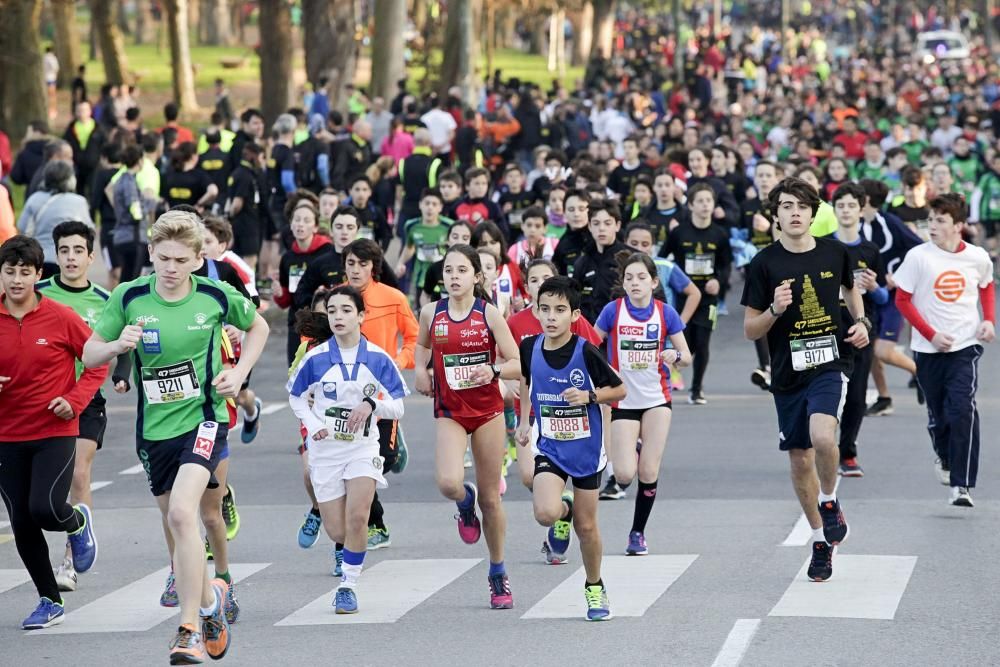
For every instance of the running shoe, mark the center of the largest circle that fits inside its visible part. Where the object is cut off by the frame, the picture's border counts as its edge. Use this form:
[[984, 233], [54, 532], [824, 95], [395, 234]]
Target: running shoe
[[598, 608], [821, 564], [83, 543], [345, 601], [66, 576], [378, 538], [215, 628], [676, 380], [46, 614], [251, 426], [550, 557], [232, 606], [722, 309], [187, 647], [697, 398], [960, 496], [761, 378], [511, 449], [636, 544], [835, 528], [230, 514], [402, 453], [208, 551], [882, 407], [338, 562], [469, 528], [850, 468], [560, 533], [611, 490], [169, 596], [467, 458], [500, 595], [309, 530], [503, 482], [943, 474]]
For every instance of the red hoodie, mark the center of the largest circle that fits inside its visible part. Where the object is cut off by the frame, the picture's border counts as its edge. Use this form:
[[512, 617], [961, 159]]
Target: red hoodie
[[39, 356]]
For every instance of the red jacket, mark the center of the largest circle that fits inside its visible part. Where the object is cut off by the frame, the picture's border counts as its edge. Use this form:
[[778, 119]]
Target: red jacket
[[39, 356]]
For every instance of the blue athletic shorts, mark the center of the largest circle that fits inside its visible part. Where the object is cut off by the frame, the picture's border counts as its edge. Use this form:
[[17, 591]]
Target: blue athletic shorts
[[890, 321], [824, 395]]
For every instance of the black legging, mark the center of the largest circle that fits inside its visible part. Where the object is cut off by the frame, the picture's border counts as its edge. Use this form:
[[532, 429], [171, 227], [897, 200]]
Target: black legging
[[698, 338], [35, 477], [855, 404], [763, 354], [133, 258]]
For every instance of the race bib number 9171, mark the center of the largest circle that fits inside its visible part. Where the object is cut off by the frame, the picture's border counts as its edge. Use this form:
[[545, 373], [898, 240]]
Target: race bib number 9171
[[812, 352]]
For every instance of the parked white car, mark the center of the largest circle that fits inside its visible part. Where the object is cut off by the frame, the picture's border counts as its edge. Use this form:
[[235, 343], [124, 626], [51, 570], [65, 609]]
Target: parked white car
[[942, 45]]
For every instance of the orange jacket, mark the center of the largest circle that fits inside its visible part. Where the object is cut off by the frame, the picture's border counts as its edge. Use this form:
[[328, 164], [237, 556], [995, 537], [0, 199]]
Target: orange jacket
[[387, 316]]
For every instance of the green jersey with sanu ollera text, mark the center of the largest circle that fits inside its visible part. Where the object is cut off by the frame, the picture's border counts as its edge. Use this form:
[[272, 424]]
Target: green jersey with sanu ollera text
[[87, 302], [180, 353]]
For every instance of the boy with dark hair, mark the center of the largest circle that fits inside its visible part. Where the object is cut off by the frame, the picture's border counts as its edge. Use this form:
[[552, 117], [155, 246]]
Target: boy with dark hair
[[476, 206], [912, 210], [596, 269], [576, 209], [426, 238], [623, 178], [371, 218], [450, 185], [515, 199]]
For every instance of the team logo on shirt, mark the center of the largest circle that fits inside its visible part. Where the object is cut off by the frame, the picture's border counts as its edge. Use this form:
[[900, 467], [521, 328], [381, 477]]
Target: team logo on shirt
[[143, 320], [631, 330], [949, 286], [369, 390], [441, 332], [653, 331], [330, 390], [151, 341], [576, 378], [200, 318]]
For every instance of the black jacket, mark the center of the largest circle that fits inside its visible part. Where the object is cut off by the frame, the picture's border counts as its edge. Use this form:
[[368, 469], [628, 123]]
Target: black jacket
[[28, 161], [597, 273]]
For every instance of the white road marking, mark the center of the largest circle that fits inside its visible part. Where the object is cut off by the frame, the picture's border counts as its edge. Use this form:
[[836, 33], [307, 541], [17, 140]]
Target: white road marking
[[634, 584], [12, 579], [862, 587], [737, 643], [134, 470], [94, 486], [134, 607], [801, 532], [274, 407], [386, 592]]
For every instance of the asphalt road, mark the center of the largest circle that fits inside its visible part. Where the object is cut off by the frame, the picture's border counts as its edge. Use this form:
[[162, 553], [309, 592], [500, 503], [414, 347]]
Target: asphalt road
[[724, 583]]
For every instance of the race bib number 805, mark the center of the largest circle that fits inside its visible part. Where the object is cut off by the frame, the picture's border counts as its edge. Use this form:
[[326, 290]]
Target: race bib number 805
[[458, 369]]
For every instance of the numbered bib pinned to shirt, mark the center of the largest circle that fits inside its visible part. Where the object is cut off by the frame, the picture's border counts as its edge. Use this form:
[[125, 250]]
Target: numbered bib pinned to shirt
[[458, 369], [638, 355], [429, 252], [170, 384], [808, 353], [336, 424], [565, 422], [295, 274], [699, 264], [366, 232]]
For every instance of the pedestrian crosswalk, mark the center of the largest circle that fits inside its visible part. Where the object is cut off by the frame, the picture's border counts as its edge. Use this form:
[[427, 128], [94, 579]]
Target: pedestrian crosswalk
[[865, 587]]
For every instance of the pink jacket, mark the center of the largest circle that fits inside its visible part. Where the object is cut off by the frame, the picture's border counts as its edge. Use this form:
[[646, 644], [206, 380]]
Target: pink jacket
[[397, 146]]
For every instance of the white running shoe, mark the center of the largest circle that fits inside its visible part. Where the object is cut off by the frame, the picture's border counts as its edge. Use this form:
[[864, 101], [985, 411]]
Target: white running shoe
[[960, 497], [944, 476], [66, 576]]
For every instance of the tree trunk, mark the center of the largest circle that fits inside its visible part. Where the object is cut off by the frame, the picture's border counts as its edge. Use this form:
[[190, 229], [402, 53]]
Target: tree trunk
[[193, 17], [123, 20], [275, 58], [460, 49], [22, 98], [418, 11], [537, 34], [67, 40], [604, 28], [182, 74], [328, 42], [215, 21], [388, 67], [144, 23], [104, 14], [583, 33]]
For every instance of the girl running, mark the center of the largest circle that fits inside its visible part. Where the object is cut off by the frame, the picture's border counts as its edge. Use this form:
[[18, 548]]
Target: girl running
[[461, 334], [487, 236], [491, 279], [639, 329], [336, 391], [536, 243]]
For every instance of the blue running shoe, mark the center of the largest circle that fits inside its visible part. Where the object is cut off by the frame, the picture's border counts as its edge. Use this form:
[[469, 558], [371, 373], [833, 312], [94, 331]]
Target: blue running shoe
[[636, 544], [345, 601], [561, 531], [83, 543], [46, 614], [251, 426], [598, 608], [338, 562], [309, 530], [169, 596]]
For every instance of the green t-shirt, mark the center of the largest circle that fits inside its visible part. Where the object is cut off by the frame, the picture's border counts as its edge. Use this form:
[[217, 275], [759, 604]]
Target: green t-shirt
[[180, 351], [966, 172], [864, 169], [430, 242], [88, 302]]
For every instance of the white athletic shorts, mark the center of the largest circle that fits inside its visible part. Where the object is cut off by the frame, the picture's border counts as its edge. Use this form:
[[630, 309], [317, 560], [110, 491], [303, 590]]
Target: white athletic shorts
[[328, 480]]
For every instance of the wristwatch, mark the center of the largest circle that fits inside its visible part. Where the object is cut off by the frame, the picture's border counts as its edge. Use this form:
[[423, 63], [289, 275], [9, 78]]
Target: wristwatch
[[496, 371], [592, 396], [865, 321], [774, 313]]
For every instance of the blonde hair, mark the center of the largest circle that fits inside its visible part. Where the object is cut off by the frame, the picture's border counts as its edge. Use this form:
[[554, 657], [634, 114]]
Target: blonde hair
[[180, 226]]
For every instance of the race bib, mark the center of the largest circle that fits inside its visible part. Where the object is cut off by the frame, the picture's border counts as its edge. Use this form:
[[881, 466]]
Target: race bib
[[565, 422], [458, 369], [812, 352], [638, 355], [429, 252], [295, 274], [336, 424], [366, 233], [514, 218], [699, 265], [169, 384]]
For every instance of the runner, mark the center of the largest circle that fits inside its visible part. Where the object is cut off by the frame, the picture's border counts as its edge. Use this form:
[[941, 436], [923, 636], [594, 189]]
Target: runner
[[172, 321], [576, 210], [74, 242], [461, 335], [638, 329], [433, 287], [563, 379], [792, 296], [336, 390], [756, 222], [596, 269], [940, 287], [41, 401]]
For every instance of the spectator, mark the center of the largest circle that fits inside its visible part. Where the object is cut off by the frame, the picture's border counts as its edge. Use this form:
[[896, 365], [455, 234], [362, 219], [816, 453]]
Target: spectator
[[57, 202]]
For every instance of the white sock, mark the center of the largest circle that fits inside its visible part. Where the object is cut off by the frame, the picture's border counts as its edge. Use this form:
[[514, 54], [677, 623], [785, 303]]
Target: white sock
[[250, 417], [818, 535], [208, 611], [823, 498], [352, 573]]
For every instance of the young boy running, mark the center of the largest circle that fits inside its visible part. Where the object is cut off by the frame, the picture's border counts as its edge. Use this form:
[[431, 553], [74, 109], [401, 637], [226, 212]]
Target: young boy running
[[563, 379], [172, 323]]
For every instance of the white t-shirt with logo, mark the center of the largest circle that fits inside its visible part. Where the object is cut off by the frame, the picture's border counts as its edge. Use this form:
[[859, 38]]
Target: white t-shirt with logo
[[945, 288]]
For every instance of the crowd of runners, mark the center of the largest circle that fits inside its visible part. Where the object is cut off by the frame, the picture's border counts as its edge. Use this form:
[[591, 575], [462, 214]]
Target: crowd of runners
[[545, 262]]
